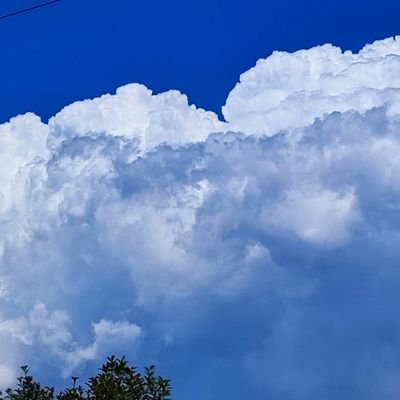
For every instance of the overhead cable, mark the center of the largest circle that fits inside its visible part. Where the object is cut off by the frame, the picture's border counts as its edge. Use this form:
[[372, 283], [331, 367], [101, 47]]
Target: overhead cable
[[25, 10]]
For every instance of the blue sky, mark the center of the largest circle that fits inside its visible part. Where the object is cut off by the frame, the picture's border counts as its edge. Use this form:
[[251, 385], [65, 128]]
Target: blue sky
[[80, 49], [249, 251]]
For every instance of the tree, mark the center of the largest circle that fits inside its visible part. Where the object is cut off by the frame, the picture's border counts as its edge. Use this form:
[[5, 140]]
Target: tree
[[28, 389], [116, 380]]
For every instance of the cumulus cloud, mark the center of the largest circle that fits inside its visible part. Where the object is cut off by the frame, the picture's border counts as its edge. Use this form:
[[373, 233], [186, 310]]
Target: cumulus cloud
[[49, 332], [135, 113], [261, 250], [106, 334], [287, 90], [320, 217]]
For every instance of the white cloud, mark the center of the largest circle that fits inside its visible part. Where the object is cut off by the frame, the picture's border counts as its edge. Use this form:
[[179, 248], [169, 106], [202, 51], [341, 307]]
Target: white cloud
[[288, 90], [108, 336], [22, 141], [320, 217], [132, 215], [7, 376], [136, 113], [42, 332]]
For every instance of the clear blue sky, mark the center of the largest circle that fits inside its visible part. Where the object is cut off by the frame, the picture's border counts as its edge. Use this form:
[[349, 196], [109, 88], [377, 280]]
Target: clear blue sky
[[83, 48]]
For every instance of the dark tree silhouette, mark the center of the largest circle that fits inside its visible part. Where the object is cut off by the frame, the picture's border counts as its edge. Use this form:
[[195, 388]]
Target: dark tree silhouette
[[116, 380], [27, 388]]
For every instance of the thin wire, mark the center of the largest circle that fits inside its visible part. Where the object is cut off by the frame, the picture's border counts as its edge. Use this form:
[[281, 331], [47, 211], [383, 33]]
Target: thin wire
[[28, 9]]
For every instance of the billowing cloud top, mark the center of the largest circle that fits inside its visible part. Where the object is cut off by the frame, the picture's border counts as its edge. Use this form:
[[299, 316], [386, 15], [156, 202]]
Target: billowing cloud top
[[135, 113], [258, 255], [286, 90]]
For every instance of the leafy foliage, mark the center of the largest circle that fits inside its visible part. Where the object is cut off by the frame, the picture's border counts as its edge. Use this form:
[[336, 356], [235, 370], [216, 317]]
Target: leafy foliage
[[27, 388], [116, 380]]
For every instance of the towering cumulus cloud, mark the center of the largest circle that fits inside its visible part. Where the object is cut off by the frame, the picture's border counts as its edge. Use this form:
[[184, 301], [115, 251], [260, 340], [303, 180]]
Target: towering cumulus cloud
[[286, 91], [258, 256]]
